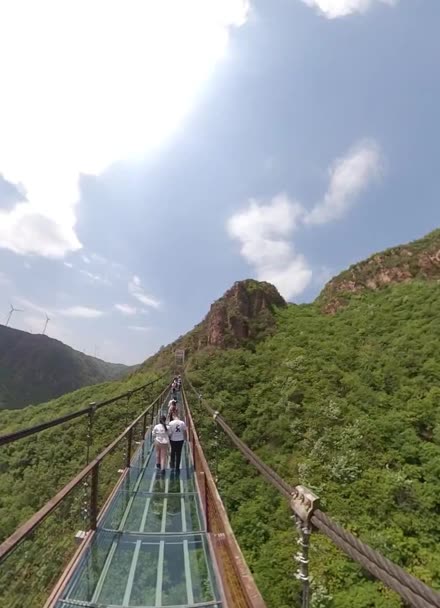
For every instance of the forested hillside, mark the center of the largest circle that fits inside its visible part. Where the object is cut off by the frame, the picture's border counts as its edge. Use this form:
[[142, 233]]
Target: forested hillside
[[35, 368], [347, 403]]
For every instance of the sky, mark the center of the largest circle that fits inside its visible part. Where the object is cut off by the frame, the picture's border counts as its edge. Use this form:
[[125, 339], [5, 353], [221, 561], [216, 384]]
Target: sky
[[153, 153]]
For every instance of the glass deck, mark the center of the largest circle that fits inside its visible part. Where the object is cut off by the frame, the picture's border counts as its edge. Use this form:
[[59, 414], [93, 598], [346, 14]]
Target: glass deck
[[150, 548]]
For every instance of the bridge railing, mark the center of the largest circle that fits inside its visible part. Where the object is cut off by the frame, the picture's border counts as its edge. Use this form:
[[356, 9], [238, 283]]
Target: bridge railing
[[90, 410], [238, 586], [34, 556], [305, 508]]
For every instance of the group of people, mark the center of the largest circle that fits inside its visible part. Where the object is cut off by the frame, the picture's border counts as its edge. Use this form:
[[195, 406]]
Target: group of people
[[169, 435]]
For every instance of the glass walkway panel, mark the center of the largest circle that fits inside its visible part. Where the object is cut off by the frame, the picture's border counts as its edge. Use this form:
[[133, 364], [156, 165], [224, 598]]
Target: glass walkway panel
[[150, 548]]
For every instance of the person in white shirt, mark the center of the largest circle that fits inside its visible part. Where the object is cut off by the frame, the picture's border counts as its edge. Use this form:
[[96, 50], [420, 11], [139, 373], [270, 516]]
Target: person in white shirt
[[162, 442], [177, 434], [174, 388]]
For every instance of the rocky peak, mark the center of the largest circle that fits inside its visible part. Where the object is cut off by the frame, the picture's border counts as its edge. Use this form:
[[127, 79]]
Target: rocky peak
[[244, 312], [417, 260]]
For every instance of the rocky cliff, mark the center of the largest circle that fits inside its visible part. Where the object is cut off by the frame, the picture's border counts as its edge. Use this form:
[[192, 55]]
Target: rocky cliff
[[244, 312], [417, 260], [243, 315]]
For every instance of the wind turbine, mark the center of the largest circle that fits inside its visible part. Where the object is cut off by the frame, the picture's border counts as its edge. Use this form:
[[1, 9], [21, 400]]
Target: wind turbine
[[11, 312], [45, 325]]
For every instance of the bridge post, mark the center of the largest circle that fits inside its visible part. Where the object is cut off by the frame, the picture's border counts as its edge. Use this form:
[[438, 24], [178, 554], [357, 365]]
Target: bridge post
[[90, 430], [129, 441], [206, 502], [89, 443], [303, 503], [144, 426], [216, 444], [194, 450], [94, 497]]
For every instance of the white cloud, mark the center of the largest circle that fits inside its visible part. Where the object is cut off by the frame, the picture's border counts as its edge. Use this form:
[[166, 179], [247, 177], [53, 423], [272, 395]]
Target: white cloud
[[55, 329], [82, 312], [25, 231], [27, 305], [136, 290], [68, 264], [342, 8], [95, 278], [263, 231], [126, 309], [99, 259], [85, 259], [33, 319], [138, 328], [76, 101], [349, 176]]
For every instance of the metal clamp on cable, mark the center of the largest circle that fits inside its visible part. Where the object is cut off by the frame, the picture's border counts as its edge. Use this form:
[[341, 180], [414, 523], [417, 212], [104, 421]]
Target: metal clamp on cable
[[303, 503], [299, 557], [215, 415]]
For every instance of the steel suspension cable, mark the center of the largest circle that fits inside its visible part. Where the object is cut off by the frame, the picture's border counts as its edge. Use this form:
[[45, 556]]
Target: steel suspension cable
[[370, 556]]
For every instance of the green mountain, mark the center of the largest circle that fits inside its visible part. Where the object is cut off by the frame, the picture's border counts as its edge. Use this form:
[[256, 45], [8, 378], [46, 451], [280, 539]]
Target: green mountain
[[35, 368], [405, 263], [343, 398]]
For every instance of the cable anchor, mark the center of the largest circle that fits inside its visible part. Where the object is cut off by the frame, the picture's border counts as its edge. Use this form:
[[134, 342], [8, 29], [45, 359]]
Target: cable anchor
[[303, 503]]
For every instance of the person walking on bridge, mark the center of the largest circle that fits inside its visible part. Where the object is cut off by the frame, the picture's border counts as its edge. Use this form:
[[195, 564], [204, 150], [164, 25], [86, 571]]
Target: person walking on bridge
[[173, 410], [174, 388], [177, 433], [162, 442]]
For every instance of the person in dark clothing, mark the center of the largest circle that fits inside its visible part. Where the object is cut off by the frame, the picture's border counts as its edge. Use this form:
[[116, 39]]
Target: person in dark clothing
[[173, 410], [177, 433]]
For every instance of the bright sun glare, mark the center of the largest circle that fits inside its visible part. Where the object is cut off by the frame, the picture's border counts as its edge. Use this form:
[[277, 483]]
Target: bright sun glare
[[89, 82]]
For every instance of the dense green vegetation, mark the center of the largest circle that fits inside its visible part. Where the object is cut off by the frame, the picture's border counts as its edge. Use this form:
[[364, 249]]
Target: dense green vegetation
[[35, 368], [33, 469], [350, 406]]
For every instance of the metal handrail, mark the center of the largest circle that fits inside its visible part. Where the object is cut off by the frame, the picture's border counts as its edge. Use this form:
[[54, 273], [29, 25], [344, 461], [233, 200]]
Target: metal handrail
[[93, 467], [238, 584], [16, 435]]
